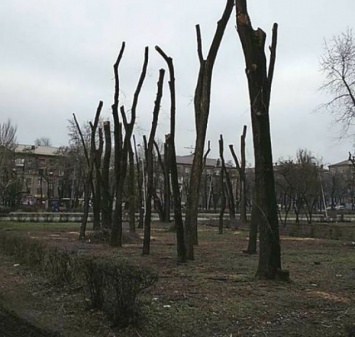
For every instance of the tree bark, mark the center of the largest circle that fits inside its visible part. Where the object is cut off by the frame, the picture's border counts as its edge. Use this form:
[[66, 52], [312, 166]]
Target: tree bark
[[149, 159], [140, 181], [231, 204], [242, 176], [132, 192], [223, 195], [88, 183], [170, 141], [202, 107], [259, 84], [122, 152], [105, 180]]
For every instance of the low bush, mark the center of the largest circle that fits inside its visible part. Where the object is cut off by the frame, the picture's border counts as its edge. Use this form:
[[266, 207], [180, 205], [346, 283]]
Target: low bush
[[61, 266], [114, 287], [27, 251]]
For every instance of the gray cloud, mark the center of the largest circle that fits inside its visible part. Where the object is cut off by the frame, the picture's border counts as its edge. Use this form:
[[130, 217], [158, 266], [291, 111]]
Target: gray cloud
[[57, 59]]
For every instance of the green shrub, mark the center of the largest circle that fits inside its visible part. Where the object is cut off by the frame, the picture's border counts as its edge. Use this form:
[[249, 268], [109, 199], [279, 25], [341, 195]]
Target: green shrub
[[114, 287]]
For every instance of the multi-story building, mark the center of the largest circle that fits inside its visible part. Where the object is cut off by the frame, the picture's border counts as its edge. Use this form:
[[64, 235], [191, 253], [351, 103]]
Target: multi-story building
[[38, 169], [210, 190]]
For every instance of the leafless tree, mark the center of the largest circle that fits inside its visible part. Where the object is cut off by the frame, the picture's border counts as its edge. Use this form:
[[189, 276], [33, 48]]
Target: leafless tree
[[338, 66], [202, 108], [149, 158], [171, 162], [229, 188], [242, 177], [123, 143], [259, 78], [10, 182], [105, 179]]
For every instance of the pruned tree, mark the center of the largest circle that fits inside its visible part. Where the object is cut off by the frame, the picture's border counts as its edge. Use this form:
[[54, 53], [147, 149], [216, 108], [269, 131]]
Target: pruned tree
[[123, 143], [242, 176], [259, 83], [95, 158], [131, 191], [107, 200], [229, 187], [202, 107], [338, 66], [140, 182], [223, 193], [149, 159], [171, 161], [166, 187], [88, 183]]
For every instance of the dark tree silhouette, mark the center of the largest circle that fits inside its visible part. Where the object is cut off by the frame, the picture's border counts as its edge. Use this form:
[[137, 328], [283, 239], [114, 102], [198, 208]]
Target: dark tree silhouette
[[149, 159], [202, 108], [259, 84]]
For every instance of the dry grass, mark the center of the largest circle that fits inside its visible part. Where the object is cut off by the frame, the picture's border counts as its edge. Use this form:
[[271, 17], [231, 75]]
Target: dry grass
[[215, 295]]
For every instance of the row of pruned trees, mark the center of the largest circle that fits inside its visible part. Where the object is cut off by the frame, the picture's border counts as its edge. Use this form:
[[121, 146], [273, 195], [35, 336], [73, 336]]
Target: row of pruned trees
[[259, 76]]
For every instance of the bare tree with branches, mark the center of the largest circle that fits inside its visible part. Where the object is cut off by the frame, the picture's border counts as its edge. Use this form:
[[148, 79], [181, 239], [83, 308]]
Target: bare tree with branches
[[338, 66]]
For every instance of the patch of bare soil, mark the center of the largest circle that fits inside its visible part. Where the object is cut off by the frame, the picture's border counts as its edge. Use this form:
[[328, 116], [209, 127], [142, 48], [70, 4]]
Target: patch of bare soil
[[215, 295]]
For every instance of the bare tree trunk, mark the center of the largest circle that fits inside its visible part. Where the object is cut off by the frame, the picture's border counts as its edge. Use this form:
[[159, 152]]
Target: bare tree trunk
[[159, 207], [88, 185], [132, 192], [97, 200], [170, 141], [223, 195], [116, 228], [202, 107], [167, 192], [105, 180], [122, 152], [231, 205], [139, 186], [84, 220], [149, 158], [242, 176], [259, 82]]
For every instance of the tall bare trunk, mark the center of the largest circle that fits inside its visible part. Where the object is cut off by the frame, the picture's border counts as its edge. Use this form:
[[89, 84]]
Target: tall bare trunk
[[259, 83], [132, 192], [121, 153], [105, 180], [202, 108], [149, 159], [171, 161]]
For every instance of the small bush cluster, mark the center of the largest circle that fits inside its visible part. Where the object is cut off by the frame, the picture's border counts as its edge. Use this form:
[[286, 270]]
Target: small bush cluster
[[27, 251], [114, 287], [58, 266]]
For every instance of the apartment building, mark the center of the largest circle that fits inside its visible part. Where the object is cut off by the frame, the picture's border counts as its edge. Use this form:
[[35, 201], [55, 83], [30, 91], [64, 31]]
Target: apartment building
[[38, 169]]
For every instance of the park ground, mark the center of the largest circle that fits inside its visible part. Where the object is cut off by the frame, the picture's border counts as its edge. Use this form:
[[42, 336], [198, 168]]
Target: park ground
[[215, 295]]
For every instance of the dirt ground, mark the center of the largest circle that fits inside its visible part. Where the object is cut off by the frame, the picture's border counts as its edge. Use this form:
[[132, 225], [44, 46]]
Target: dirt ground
[[215, 295]]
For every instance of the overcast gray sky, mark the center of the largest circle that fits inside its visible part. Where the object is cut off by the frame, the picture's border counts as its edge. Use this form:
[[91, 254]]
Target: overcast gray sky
[[56, 58]]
